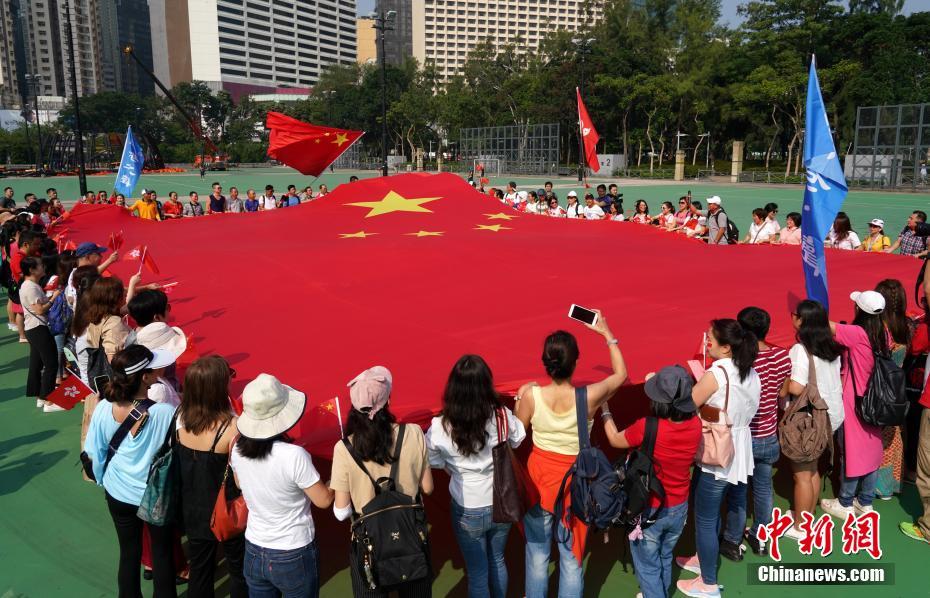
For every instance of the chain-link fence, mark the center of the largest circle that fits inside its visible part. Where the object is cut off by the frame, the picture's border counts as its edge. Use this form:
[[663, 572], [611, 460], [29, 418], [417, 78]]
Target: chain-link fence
[[523, 149], [891, 149]]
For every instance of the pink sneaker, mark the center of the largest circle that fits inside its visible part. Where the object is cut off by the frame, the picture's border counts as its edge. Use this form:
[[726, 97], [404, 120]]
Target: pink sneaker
[[689, 563], [696, 588]]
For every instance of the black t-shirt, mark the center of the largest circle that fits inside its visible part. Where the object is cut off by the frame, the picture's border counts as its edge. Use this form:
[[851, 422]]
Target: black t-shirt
[[7, 203], [217, 204]]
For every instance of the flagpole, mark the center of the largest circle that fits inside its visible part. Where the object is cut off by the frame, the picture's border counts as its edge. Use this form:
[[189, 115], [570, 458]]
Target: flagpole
[[142, 259], [581, 152], [342, 433]]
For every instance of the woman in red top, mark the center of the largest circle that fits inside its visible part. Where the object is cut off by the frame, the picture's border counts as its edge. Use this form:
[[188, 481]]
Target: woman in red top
[[677, 439]]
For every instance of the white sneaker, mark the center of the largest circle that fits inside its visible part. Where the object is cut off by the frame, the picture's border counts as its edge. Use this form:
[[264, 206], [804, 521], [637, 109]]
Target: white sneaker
[[12, 327], [40, 403], [860, 509], [52, 407], [833, 507], [794, 533]]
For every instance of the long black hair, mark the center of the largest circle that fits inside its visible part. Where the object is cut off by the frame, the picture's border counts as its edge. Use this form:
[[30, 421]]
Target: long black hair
[[252, 448], [743, 344], [814, 332], [895, 313], [372, 439], [468, 403], [874, 327]]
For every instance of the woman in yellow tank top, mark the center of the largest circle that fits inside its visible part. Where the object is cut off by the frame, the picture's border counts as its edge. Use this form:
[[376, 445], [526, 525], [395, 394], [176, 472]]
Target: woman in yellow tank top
[[550, 410]]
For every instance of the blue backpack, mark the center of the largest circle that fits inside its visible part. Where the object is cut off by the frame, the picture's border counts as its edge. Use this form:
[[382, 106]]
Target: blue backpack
[[595, 483], [59, 316]]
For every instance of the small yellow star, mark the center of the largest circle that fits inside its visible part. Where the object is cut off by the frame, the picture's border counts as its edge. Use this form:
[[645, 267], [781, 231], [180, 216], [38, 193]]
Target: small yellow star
[[340, 139], [359, 235], [394, 202], [492, 227], [425, 233], [500, 216], [317, 140]]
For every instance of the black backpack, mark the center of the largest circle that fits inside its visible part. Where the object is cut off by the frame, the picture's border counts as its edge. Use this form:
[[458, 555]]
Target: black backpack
[[732, 234], [390, 539], [595, 483], [885, 401], [638, 481]]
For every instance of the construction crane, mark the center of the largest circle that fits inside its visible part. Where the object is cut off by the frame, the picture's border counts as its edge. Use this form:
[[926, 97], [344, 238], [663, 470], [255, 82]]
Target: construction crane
[[218, 160]]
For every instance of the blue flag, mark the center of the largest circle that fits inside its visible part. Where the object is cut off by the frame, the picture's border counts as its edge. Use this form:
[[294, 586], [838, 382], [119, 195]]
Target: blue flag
[[824, 191], [130, 166]]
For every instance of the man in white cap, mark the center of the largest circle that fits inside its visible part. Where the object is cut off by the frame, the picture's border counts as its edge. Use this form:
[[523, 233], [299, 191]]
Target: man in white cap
[[716, 221], [145, 208]]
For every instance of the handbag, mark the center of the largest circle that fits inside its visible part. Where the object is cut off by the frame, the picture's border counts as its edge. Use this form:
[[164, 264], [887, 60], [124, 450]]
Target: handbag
[[513, 491], [229, 516], [162, 493], [716, 436]]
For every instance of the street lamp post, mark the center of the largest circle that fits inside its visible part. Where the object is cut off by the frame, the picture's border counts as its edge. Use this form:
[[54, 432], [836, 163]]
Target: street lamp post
[[583, 46], [384, 21], [78, 131], [35, 81]]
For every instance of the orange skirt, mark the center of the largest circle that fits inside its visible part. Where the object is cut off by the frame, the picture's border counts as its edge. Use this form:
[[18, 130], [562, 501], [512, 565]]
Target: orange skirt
[[547, 470]]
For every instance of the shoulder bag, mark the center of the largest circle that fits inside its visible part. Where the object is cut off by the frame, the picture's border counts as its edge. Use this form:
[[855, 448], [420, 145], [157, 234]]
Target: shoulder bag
[[514, 493], [716, 437], [161, 498], [229, 517], [139, 411]]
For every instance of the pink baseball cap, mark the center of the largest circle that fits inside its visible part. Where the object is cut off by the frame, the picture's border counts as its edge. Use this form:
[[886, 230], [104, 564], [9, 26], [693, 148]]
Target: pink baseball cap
[[371, 390]]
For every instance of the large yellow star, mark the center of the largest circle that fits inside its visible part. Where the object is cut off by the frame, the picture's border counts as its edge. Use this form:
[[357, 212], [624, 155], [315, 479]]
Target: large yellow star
[[340, 139], [492, 227], [500, 216], [425, 233], [394, 202], [359, 235]]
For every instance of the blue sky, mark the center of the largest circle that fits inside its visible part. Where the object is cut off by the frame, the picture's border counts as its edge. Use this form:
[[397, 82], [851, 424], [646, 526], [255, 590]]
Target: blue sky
[[728, 13]]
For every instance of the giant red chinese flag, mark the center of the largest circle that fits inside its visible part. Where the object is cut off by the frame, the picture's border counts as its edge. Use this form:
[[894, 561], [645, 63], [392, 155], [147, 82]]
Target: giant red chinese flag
[[589, 136], [305, 147], [412, 271]]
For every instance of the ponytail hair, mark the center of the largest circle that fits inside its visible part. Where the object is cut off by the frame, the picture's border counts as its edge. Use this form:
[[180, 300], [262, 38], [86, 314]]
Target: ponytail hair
[[124, 387], [895, 313], [744, 345]]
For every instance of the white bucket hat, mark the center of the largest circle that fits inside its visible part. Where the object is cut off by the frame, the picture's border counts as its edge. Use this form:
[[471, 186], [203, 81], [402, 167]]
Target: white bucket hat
[[269, 408], [159, 335]]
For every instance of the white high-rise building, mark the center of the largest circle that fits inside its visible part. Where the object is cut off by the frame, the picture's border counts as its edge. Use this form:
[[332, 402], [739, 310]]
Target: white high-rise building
[[255, 43], [445, 31]]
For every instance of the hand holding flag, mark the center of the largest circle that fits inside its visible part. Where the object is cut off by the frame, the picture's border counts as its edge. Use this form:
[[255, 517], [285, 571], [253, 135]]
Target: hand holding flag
[[70, 392], [589, 136]]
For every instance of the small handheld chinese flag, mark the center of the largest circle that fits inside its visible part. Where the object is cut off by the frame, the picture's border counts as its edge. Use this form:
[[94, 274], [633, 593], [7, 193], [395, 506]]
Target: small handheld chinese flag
[[589, 136], [116, 241], [69, 393]]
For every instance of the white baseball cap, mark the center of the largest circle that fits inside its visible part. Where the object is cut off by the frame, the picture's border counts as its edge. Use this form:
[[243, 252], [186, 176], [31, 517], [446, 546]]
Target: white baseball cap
[[713, 199], [572, 194], [870, 302], [877, 222], [522, 195]]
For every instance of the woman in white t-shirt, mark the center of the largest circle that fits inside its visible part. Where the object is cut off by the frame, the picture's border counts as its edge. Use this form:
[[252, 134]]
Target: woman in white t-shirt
[[666, 218], [761, 230], [574, 209], [43, 354], [473, 420], [731, 385], [841, 235], [814, 337], [279, 482]]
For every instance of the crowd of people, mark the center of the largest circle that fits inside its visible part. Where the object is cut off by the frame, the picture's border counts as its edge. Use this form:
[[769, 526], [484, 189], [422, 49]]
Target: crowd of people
[[118, 338], [712, 224]]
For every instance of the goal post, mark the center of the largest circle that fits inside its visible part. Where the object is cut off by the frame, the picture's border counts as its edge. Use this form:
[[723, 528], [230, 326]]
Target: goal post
[[491, 166]]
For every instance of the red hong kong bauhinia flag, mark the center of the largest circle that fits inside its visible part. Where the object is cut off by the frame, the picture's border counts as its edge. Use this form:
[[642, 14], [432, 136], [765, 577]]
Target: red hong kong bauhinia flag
[[69, 393], [589, 136], [141, 253], [305, 147]]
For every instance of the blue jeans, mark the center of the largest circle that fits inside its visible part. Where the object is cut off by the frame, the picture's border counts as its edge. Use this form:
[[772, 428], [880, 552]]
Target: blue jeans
[[538, 525], [652, 554], [865, 484], [287, 573], [765, 453], [482, 543], [708, 496]]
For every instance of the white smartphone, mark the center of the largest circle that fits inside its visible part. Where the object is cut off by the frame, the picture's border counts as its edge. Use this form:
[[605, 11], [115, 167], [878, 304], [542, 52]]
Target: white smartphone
[[576, 312]]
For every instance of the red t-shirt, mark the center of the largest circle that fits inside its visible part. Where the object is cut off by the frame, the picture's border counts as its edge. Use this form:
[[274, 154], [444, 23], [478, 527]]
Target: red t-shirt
[[16, 265], [173, 208], [773, 366], [676, 446]]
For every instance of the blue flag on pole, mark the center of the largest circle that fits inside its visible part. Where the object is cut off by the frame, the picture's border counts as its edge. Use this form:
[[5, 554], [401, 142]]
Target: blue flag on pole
[[824, 192], [130, 166]]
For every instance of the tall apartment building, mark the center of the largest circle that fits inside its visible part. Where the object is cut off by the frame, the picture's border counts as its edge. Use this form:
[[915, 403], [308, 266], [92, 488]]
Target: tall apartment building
[[40, 46], [366, 39], [9, 84], [398, 41], [265, 43], [121, 22], [445, 31]]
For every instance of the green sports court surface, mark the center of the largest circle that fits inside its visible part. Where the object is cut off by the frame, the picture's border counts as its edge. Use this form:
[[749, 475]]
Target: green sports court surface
[[56, 537]]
